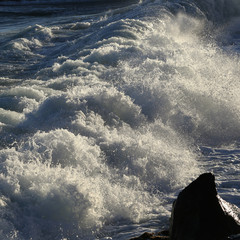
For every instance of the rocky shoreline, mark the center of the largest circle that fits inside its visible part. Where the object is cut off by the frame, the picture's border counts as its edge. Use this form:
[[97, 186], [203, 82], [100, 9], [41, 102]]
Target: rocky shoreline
[[199, 213]]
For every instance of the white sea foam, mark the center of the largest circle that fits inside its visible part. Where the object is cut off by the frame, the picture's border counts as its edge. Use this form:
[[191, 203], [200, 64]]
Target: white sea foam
[[58, 179], [24, 92], [10, 118], [24, 44]]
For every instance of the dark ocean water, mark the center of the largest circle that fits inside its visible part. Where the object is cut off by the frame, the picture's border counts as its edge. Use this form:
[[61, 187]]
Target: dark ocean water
[[109, 108]]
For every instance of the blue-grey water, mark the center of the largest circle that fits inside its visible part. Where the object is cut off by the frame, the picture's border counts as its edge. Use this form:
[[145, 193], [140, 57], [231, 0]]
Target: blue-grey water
[[109, 108]]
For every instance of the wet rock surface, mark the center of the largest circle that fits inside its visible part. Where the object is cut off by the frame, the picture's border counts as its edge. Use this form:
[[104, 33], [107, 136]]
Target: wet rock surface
[[200, 213]]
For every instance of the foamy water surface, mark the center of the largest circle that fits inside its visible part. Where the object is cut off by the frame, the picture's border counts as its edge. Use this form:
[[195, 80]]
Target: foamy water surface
[[108, 110]]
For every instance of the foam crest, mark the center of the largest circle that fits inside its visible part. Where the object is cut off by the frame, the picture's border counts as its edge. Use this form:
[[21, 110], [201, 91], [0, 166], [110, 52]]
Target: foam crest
[[115, 108], [16, 102], [111, 167], [25, 92], [69, 67], [115, 102], [28, 41], [154, 155], [40, 32], [80, 25], [111, 54], [26, 45], [10, 118], [66, 193], [182, 85]]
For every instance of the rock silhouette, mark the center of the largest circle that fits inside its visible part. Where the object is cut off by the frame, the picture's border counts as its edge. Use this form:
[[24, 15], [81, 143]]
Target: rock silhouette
[[199, 213]]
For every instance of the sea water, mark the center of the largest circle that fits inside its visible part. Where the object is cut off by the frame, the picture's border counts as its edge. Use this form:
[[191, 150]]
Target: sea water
[[109, 108]]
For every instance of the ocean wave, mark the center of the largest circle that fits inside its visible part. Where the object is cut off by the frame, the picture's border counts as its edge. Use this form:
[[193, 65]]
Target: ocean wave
[[103, 117]]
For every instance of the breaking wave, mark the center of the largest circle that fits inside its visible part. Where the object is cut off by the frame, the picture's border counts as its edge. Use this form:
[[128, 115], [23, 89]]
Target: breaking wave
[[102, 115]]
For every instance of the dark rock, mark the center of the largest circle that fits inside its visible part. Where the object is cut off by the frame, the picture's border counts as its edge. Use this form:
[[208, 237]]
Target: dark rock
[[150, 236], [164, 233], [199, 213]]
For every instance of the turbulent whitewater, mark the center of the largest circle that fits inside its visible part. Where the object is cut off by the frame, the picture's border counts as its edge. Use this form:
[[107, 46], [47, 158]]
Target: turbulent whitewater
[[108, 109]]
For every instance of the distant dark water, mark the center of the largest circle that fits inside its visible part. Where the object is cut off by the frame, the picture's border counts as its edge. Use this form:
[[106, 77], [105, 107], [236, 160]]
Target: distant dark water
[[54, 8]]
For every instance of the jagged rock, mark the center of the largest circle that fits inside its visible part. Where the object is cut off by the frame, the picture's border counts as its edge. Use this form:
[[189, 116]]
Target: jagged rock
[[200, 214]]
